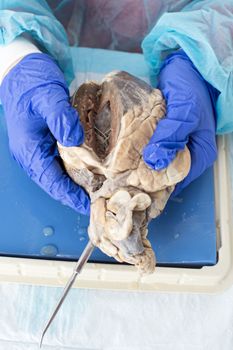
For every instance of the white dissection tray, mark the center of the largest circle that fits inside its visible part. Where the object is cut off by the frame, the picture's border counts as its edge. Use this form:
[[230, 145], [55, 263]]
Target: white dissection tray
[[182, 267]]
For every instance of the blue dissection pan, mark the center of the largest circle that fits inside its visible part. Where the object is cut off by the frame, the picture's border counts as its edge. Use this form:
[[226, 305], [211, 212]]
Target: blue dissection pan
[[36, 226]]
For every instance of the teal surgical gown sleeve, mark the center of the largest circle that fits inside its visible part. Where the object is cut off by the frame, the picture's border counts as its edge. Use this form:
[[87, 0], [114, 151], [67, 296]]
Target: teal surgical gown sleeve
[[36, 18], [204, 30]]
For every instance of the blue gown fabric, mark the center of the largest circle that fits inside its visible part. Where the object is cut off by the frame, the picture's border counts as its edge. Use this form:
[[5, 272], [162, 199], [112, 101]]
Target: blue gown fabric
[[203, 29]]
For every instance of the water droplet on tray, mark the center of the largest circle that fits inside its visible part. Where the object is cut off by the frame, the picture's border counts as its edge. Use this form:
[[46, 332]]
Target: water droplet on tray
[[82, 238], [82, 231], [49, 250], [48, 231]]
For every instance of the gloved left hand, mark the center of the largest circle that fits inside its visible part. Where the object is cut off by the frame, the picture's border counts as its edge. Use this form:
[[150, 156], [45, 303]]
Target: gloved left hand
[[189, 120], [38, 113]]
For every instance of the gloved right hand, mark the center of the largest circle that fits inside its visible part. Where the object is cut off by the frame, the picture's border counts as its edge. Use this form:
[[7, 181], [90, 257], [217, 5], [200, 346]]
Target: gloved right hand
[[38, 113], [190, 119]]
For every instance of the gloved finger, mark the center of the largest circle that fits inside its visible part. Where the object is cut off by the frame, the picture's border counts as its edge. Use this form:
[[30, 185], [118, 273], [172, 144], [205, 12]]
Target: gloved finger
[[171, 136], [60, 186], [62, 119], [39, 158], [203, 152], [184, 91]]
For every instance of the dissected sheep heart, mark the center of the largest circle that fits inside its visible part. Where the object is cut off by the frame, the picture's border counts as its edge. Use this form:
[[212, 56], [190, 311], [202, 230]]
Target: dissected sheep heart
[[119, 117]]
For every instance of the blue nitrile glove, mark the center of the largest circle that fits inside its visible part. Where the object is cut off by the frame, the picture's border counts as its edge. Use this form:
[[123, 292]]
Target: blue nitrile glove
[[36, 105], [189, 120]]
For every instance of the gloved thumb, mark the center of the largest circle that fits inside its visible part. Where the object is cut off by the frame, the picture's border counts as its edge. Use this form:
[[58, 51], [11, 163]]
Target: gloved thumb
[[61, 118], [171, 136]]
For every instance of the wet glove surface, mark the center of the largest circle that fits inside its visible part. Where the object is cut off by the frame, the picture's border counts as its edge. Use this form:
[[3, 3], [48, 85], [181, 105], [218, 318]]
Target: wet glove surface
[[38, 113], [190, 119]]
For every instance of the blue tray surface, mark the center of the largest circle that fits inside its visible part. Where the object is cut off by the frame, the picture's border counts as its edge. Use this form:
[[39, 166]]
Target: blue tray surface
[[35, 225]]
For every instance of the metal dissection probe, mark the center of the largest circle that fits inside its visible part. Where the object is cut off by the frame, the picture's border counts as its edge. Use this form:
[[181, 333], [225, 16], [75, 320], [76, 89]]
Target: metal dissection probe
[[77, 270]]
